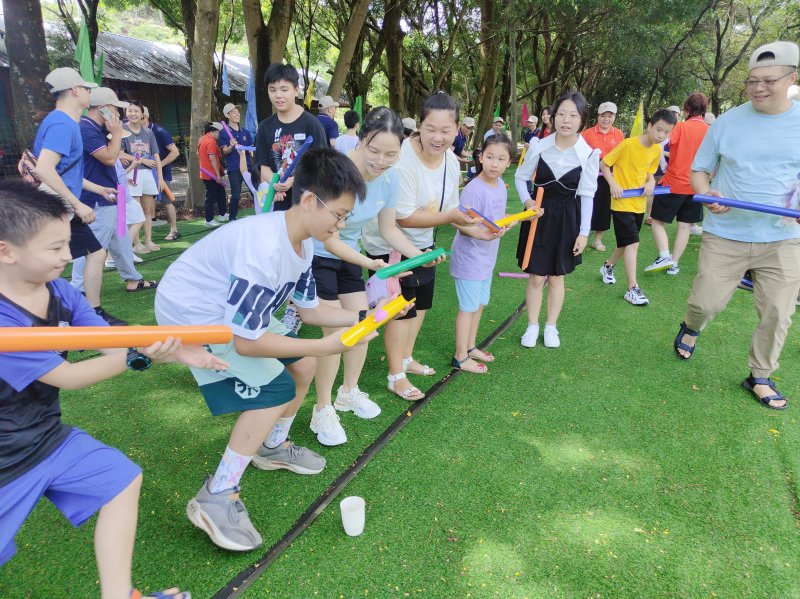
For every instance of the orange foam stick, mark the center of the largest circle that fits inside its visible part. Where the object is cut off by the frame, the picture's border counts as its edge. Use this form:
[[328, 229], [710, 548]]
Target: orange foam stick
[[169, 193], [22, 339], [526, 258], [378, 318]]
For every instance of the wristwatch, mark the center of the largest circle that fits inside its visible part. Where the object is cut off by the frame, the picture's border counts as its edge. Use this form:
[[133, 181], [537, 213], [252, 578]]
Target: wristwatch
[[362, 315], [138, 361]]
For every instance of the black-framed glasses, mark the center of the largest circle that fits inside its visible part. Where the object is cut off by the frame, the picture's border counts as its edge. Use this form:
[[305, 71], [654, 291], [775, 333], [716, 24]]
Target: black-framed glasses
[[339, 219]]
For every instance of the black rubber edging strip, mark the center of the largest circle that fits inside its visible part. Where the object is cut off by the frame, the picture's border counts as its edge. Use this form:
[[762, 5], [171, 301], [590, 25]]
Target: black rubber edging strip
[[248, 576]]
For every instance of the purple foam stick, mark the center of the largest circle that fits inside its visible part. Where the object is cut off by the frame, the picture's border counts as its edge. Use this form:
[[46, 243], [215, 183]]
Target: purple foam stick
[[209, 174], [514, 275], [765, 208], [246, 148], [137, 156], [639, 191], [122, 226], [297, 156]]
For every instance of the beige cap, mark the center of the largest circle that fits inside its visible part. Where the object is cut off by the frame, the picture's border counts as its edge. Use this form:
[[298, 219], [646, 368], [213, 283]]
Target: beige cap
[[65, 78], [409, 123], [469, 121], [103, 96], [533, 119], [675, 109], [776, 54], [228, 107], [216, 125], [498, 119], [327, 102], [607, 107]]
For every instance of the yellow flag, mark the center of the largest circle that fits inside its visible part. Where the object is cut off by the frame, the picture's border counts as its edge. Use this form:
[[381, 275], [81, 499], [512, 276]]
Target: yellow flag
[[522, 155], [310, 93], [638, 122]]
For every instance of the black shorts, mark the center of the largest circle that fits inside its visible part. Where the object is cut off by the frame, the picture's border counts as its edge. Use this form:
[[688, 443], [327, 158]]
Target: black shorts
[[422, 291], [601, 212], [335, 277], [626, 227], [667, 207], [83, 242]]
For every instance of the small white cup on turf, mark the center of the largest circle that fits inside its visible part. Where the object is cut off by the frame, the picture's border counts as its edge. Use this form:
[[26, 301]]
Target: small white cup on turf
[[353, 510]]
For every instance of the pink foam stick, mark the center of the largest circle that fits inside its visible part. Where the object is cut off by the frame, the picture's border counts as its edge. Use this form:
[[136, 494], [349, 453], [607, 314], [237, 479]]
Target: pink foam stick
[[514, 275], [121, 200]]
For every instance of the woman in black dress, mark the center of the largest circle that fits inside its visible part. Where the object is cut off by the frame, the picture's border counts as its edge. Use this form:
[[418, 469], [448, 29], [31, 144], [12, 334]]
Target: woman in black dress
[[566, 167]]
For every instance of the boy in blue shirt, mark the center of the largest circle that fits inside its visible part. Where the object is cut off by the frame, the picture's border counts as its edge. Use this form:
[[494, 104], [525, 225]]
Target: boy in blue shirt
[[39, 454]]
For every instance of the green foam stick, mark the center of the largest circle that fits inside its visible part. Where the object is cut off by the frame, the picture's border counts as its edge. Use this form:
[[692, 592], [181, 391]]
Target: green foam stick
[[266, 205], [396, 269]]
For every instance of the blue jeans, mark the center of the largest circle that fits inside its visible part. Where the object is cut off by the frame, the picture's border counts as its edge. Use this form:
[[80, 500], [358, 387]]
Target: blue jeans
[[215, 194], [236, 180]]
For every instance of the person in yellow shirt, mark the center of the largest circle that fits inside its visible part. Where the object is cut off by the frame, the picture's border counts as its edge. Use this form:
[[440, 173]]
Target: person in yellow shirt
[[634, 163]]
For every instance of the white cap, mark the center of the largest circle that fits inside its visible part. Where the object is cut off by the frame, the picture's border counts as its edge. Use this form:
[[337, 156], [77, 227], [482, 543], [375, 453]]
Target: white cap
[[409, 123], [103, 96], [709, 118], [533, 119], [498, 119], [675, 109], [65, 78], [228, 107], [776, 54], [607, 107], [145, 112], [469, 121], [216, 125], [327, 102]]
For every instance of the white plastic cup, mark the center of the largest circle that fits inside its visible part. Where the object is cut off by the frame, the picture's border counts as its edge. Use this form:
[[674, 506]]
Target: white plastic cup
[[353, 513]]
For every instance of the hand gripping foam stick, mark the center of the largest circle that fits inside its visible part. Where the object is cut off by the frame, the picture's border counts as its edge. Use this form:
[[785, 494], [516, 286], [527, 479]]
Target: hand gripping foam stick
[[266, 206], [396, 269], [526, 258], [23, 339], [765, 208], [378, 318], [639, 191]]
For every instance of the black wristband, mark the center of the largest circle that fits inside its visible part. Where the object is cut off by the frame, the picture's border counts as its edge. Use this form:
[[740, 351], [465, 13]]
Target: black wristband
[[362, 315]]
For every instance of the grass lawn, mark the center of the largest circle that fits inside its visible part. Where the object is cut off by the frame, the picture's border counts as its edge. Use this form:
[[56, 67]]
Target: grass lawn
[[604, 468]]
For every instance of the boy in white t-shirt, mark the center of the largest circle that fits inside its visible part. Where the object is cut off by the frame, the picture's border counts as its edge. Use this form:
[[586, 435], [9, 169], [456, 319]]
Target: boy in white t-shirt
[[240, 276]]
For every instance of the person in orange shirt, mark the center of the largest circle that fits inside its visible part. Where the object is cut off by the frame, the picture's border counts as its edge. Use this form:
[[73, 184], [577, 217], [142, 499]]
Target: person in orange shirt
[[604, 137], [210, 158], [684, 142]]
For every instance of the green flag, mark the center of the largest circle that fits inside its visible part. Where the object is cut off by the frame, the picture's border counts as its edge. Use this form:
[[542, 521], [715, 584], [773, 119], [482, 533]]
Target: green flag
[[496, 111], [357, 106], [83, 54], [101, 60]]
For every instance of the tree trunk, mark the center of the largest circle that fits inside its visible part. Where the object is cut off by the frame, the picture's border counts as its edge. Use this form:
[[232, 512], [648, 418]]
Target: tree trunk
[[188, 11], [205, 38], [505, 86], [394, 57], [351, 38], [489, 61], [280, 21], [258, 48], [512, 69], [27, 57]]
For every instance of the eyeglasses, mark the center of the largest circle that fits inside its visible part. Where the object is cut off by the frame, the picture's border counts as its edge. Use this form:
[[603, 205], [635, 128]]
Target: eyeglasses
[[767, 82], [339, 219]]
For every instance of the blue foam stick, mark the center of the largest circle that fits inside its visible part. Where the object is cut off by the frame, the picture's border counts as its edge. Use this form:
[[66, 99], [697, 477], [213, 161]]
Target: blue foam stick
[[246, 148], [639, 191], [765, 208]]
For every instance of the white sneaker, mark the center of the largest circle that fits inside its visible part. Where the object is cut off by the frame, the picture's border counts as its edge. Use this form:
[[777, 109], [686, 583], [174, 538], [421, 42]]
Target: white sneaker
[[673, 270], [110, 263], [636, 296], [607, 272], [212, 223], [695, 230], [137, 259], [551, 337], [530, 336], [659, 264], [224, 218], [356, 401], [325, 423]]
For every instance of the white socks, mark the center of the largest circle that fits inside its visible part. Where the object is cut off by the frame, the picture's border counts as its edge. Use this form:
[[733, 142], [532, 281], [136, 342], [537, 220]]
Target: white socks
[[229, 472], [279, 432]]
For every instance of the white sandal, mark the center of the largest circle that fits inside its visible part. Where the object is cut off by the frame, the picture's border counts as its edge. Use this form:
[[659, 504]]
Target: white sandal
[[426, 370], [412, 390]]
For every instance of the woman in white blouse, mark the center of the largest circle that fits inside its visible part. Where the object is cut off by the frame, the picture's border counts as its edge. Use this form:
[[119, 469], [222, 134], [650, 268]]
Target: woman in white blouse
[[566, 167]]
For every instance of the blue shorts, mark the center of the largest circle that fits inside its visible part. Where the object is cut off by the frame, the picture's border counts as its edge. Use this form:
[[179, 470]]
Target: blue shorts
[[473, 294], [79, 477]]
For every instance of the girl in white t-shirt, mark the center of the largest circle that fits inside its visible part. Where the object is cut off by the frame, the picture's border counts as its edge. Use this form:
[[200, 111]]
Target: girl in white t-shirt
[[429, 177]]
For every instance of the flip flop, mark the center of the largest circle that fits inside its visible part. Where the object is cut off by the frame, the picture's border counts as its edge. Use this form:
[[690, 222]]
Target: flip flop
[[143, 285], [487, 356], [480, 369], [173, 235], [750, 383], [599, 247]]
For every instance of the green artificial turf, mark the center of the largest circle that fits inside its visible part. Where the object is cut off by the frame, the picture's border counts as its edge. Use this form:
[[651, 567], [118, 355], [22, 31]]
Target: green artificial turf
[[604, 468]]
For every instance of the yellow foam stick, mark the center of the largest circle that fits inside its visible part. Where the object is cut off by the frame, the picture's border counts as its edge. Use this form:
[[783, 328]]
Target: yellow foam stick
[[378, 318], [504, 222]]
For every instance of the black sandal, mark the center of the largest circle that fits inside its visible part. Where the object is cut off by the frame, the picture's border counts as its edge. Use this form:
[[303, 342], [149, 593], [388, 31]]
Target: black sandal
[[143, 285], [679, 344], [750, 383]]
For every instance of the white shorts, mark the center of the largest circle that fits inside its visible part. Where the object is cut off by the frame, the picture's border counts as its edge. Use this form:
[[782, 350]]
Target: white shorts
[[134, 214], [145, 183]]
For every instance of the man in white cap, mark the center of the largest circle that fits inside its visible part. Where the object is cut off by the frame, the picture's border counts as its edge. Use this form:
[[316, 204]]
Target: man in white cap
[[59, 150], [753, 154], [327, 112], [497, 128], [241, 137], [462, 137], [532, 129]]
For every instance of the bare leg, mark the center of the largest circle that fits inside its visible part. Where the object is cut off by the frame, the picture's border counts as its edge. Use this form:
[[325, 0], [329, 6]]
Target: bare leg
[[133, 233], [172, 217], [302, 372], [660, 235], [616, 255], [252, 427], [533, 297], [598, 237], [630, 264], [555, 298], [327, 368], [466, 323], [114, 536], [93, 276], [414, 367], [354, 359], [148, 206], [681, 240], [395, 338]]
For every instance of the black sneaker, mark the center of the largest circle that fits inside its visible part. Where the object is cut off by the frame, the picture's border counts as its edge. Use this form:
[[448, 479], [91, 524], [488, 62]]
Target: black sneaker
[[112, 320]]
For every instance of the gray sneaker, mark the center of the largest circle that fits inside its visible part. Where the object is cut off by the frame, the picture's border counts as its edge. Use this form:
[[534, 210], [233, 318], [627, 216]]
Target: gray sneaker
[[224, 518], [300, 460]]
